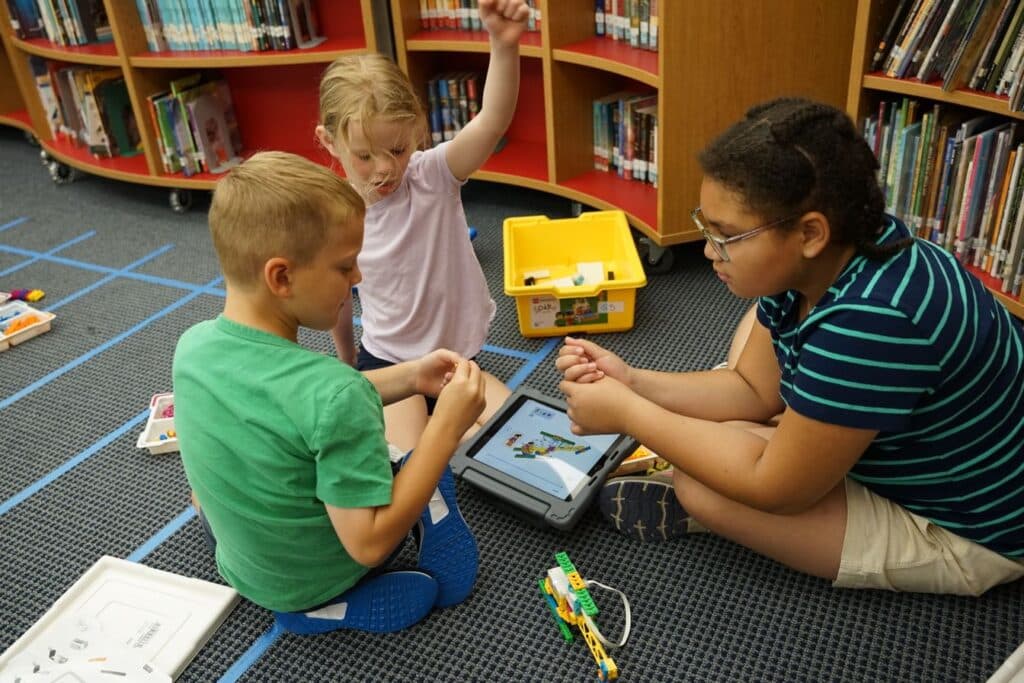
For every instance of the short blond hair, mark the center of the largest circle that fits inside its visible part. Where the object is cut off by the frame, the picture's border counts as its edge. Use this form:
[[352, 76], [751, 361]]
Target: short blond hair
[[277, 204], [365, 88]]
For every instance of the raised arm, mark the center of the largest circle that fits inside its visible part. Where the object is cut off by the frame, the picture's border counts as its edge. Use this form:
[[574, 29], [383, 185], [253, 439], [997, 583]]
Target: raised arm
[[504, 21]]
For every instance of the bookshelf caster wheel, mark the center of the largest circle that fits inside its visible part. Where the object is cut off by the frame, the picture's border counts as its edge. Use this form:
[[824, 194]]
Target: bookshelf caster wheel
[[180, 200], [31, 139], [45, 159], [656, 259], [61, 174], [576, 209]]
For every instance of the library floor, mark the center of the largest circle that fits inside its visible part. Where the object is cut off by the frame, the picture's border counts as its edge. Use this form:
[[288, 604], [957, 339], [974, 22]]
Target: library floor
[[125, 277]]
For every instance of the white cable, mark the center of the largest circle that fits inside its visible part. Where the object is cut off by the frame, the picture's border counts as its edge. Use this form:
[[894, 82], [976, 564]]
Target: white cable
[[625, 609]]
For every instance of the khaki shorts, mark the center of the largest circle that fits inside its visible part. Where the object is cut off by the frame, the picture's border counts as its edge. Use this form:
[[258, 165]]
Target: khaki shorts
[[887, 546]]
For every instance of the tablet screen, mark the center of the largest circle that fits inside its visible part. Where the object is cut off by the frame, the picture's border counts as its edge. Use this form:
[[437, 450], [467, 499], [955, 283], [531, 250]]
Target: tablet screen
[[535, 445]]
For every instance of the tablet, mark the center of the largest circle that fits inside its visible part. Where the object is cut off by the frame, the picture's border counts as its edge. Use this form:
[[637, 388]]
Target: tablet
[[527, 457]]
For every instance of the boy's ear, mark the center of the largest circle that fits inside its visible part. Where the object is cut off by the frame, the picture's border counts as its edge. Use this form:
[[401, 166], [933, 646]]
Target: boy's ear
[[815, 233], [326, 139], [277, 274]]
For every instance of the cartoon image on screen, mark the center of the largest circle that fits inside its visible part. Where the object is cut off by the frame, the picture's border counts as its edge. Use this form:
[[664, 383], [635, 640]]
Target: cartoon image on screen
[[536, 446]]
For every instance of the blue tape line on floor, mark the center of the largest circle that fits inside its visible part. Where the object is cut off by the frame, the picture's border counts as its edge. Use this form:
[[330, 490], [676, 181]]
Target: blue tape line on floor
[[51, 252], [501, 350], [109, 278], [250, 656], [159, 537], [532, 364], [95, 448], [11, 224], [67, 367], [107, 270]]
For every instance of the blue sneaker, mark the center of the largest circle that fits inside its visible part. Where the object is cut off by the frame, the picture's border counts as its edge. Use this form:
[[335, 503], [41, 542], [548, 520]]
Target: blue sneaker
[[447, 549], [382, 604], [645, 508]]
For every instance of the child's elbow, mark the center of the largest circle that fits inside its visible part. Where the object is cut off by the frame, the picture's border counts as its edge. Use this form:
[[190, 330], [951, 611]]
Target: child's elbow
[[370, 554]]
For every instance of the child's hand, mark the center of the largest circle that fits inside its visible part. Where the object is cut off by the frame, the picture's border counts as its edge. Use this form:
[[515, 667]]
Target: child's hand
[[602, 407], [581, 360], [462, 399], [504, 19], [435, 370]]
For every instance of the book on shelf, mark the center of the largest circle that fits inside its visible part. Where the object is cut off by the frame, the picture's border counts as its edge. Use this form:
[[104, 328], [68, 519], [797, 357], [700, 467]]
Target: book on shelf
[[624, 137], [634, 22], [453, 100], [240, 25], [958, 184], [196, 127], [464, 15], [88, 107], [26, 21]]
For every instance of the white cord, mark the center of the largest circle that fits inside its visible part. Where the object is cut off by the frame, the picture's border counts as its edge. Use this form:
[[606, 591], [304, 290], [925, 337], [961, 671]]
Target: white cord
[[625, 609]]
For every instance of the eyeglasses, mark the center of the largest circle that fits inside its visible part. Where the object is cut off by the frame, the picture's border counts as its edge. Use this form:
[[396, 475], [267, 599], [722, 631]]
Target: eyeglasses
[[718, 243]]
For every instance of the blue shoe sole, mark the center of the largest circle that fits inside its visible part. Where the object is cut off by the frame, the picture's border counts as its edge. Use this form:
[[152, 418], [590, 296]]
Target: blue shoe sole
[[643, 508], [382, 604], [447, 550]]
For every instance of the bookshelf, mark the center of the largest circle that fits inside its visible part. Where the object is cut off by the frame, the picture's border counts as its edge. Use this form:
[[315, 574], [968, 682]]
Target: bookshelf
[[705, 76], [867, 89], [274, 92], [12, 105]]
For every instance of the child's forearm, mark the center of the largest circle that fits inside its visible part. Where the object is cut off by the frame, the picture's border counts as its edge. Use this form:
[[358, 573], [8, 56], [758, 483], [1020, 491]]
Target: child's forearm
[[394, 383], [501, 89], [717, 395]]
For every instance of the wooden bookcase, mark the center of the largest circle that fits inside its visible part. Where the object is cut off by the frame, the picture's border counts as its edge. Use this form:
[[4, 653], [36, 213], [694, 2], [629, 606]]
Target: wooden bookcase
[[716, 59], [274, 93], [867, 89]]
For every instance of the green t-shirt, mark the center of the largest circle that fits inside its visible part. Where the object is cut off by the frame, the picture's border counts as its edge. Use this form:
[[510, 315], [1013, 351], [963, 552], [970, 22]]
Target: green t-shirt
[[269, 432]]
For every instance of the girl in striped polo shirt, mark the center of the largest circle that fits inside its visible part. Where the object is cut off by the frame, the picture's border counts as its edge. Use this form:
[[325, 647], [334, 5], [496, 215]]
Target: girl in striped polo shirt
[[870, 429]]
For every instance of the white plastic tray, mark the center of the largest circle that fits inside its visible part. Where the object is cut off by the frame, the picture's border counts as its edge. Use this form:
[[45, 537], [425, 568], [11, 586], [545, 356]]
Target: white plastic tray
[[157, 423], [125, 613], [12, 311]]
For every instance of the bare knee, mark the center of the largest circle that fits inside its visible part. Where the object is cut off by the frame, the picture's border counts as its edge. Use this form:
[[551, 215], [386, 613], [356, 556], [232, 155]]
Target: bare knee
[[700, 502]]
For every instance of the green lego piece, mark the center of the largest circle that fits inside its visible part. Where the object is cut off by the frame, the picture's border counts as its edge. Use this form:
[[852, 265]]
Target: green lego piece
[[566, 633], [587, 603], [564, 562]]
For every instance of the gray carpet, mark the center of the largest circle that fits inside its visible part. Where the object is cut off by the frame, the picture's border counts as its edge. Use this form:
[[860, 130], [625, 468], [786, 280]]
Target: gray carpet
[[75, 487]]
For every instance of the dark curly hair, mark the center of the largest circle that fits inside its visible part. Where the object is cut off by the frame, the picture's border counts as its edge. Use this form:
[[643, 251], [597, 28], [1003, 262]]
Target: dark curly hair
[[790, 156]]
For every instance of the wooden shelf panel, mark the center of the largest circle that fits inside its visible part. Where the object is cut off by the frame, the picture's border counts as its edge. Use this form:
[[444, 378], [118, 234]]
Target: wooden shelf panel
[[607, 190], [18, 119], [99, 54], [468, 41], [1014, 305], [613, 56], [321, 54], [911, 87]]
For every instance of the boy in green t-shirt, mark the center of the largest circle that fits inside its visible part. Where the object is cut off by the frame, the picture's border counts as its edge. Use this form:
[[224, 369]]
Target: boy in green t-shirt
[[284, 447]]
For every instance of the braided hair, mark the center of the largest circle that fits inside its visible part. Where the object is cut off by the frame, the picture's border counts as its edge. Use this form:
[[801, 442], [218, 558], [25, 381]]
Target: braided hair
[[790, 156]]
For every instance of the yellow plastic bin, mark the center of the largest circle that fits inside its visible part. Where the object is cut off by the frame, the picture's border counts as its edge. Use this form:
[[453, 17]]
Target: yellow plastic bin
[[572, 274]]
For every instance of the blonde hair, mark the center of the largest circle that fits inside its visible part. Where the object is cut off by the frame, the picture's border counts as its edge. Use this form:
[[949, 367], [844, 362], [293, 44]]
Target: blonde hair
[[365, 88], [277, 204]]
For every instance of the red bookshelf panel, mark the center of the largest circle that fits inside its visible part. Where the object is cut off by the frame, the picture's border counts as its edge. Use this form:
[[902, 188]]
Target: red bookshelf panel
[[80, 157], [478, 39], [340, 19], [18, 118], [93, 53], [520, 158], [638, 199], [324, 52], [617, 51], [277, 107]]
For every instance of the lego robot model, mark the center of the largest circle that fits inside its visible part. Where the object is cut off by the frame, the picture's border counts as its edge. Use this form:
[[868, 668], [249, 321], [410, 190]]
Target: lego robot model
[[568, 597]]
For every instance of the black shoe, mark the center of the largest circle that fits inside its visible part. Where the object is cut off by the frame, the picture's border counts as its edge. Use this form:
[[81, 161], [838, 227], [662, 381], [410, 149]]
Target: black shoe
[[644, 508]]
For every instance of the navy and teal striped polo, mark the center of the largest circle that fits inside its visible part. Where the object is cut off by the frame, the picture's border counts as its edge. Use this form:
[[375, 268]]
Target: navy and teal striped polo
[[916, 347]]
